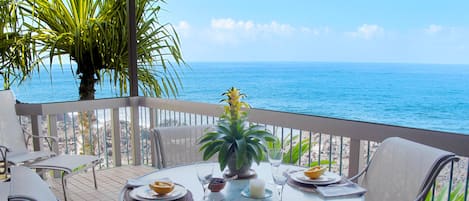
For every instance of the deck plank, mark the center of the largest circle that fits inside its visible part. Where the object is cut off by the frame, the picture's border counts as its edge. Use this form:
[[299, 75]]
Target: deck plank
[[110, 181]]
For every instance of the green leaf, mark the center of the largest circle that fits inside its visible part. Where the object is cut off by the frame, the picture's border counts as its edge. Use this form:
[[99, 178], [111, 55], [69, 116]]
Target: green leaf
[[223, 156], [212, 149], [241, 154]]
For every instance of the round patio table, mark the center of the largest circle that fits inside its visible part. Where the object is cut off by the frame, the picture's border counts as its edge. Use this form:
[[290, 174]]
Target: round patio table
[[187, 176]]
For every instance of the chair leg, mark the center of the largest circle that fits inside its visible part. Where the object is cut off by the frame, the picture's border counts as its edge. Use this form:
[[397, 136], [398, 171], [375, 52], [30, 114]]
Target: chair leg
[[63, 186], [94, 178]]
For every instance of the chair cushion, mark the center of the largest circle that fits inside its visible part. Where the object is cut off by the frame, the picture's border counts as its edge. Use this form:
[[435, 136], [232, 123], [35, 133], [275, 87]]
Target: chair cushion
[[67, 163], [28, 157]]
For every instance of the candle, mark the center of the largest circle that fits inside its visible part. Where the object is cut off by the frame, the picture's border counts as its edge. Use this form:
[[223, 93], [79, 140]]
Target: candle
[[257, 188]]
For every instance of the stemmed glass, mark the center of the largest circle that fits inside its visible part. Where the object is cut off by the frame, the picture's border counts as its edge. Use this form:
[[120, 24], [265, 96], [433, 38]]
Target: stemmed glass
[[205, 174], [275, 155], [279, 171]]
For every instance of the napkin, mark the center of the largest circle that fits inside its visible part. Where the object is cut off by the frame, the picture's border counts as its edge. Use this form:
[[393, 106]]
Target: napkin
[[340, 190]]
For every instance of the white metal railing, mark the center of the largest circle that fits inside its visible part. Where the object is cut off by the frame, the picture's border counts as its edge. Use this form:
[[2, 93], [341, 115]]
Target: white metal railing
[[119, 133]]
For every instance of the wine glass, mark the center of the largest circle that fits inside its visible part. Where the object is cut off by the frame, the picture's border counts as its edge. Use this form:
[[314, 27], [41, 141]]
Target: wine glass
[[280, 176], [205, 174], [275, 155]]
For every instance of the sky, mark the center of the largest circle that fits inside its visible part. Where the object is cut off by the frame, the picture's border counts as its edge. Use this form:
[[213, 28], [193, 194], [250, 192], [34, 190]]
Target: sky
[[401, 31]]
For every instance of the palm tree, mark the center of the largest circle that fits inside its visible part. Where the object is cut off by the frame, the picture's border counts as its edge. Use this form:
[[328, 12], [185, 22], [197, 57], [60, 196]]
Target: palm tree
[[93, 33], [16, 56]]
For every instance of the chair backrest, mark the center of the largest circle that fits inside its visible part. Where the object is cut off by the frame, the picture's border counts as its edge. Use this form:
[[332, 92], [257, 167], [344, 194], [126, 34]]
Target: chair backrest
[[179, 145], [11, 134], [401, 169]]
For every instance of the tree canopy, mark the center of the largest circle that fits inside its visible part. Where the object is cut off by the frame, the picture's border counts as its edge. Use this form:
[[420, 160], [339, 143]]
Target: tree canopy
[[93, 34], [16, 56]]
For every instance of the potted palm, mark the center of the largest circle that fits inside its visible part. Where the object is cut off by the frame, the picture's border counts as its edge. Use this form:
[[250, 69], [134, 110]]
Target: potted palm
[[237, 142]]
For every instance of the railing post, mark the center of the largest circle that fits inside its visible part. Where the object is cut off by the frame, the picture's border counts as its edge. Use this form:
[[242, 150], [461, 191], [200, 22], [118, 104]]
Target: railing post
[[135, 131], [153, 119], [52, 130], [36, 131], [354, 160], [116, 137]]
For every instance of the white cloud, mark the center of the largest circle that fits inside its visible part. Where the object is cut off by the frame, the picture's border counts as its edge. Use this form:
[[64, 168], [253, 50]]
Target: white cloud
[[367, 31], [232, 31], [183, 25], [249, 26], [315, 31], [433, 29], [183, 28], [223, 23], [230, 24]]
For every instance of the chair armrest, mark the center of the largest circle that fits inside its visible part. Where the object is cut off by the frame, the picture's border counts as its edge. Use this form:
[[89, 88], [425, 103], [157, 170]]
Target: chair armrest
[[433, 176], [49, 139], [3, 160], [355, 178], [4, 148]]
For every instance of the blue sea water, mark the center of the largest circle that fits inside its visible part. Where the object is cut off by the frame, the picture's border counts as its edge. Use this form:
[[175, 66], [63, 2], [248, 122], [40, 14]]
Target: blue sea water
[[430, 96]]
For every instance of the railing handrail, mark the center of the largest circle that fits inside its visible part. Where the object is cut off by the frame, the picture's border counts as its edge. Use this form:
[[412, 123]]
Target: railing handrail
[[360, 130], [456, 143], [71, 106]]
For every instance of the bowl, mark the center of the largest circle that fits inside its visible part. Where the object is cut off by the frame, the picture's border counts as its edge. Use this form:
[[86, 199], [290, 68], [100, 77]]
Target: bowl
[[162, 187], [216, 184], [315, 172]]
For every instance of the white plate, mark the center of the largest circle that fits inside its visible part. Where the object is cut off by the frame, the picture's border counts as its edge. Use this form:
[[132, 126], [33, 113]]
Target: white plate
[[247, 193], [145, 193], [325, 179]]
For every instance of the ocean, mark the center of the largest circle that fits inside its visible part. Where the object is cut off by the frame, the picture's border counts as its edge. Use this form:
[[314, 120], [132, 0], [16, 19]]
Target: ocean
[[429, 96]]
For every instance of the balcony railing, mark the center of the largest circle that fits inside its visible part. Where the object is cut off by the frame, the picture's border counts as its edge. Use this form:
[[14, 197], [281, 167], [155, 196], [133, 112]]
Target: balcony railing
[[117, 130]]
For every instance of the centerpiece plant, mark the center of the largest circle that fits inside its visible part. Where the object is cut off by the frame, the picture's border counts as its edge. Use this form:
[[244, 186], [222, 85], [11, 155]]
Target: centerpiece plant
[[237, 142]]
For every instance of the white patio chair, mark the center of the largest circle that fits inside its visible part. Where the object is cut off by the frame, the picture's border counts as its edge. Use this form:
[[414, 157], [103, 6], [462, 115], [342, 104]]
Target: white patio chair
[[178, 145], [402, 170], [13, 138], [25, 184]]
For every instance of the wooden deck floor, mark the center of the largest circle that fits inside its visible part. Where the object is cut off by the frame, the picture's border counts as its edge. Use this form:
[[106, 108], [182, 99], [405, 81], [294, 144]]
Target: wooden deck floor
[[110, 181]]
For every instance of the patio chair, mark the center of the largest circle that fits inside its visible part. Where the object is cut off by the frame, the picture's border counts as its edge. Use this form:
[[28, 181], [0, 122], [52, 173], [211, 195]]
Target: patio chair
[[13, 138], [25, 184], [178, 145], [402, 170]]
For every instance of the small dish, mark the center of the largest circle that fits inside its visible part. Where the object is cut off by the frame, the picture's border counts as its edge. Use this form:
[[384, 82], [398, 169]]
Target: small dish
[[145, 193], [216, 184], [326, 179], [249, 174], [247, 193]]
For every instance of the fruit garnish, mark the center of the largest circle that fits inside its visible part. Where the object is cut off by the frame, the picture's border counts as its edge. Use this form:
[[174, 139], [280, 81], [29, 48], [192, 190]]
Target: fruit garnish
[[162, 187], [314, 172]]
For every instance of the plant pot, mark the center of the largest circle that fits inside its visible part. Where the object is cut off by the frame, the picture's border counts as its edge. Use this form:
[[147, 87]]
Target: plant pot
[[243, 172]]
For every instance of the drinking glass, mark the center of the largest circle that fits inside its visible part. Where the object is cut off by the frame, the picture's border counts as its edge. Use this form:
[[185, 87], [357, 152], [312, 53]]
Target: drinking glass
[[205, 174], [275, 155], [280, 176]]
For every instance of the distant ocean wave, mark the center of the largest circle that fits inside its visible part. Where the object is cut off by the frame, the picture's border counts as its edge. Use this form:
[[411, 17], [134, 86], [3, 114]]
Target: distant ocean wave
[[426, 96]]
